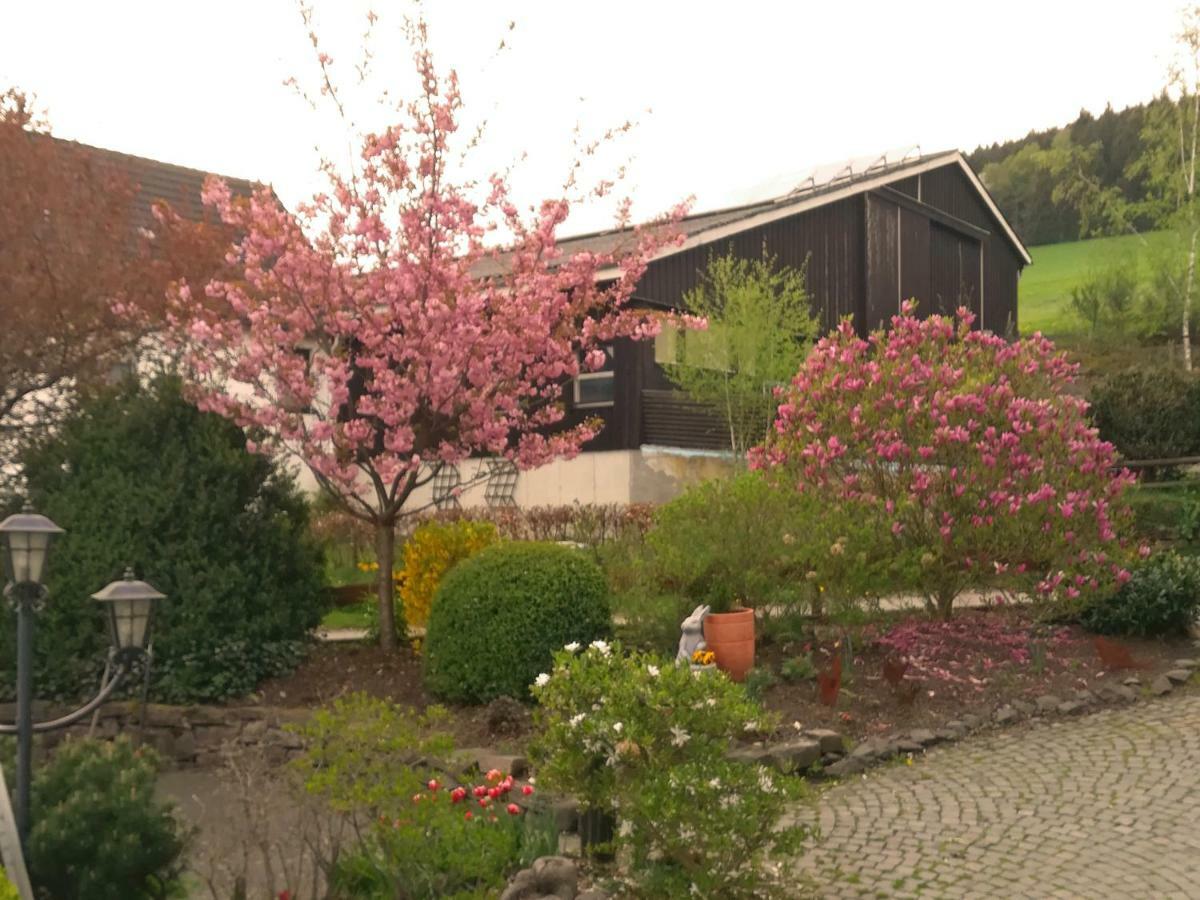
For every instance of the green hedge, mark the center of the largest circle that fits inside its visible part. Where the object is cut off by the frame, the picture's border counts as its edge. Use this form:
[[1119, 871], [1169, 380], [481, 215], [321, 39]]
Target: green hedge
[[142, 478], [499, 616], [1162, 598], [1149, 413]]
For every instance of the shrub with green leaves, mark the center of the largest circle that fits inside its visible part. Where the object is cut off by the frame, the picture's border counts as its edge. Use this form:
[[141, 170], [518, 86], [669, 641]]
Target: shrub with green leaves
[[640, 735], [1162, 597], [98, 833], [746, 540], [142, 478], [1149, 413], [8, 890], [419, 836], [499, 616]]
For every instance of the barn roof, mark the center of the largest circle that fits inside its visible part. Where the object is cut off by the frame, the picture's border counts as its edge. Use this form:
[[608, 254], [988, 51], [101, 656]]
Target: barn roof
[[822, 185]]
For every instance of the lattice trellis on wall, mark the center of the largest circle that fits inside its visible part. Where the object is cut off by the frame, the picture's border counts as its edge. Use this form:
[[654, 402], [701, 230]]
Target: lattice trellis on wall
[[501, 483], [446, 479]]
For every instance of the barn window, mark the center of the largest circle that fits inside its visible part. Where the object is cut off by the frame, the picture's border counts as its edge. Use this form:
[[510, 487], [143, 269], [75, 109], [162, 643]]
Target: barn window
[[594, 389]]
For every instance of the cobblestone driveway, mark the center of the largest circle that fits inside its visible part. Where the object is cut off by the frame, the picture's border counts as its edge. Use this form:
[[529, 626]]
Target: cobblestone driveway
[[1106, 805]]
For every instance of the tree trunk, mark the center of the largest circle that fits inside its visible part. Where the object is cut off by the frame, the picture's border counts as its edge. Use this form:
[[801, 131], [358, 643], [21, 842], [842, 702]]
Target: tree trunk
[[1187, 302], [385, 552], [945, 605]]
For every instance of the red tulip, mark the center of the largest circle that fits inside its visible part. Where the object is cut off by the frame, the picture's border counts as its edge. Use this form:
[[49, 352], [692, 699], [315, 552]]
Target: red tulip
[[480, 790], [527, 790], [469, 815], [513, 809]]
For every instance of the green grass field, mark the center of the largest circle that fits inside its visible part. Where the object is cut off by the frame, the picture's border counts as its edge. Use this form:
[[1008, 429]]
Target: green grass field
[[1044, 298]]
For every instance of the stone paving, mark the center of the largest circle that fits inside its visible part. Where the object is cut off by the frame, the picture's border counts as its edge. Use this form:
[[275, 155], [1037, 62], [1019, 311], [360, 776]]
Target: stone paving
[[1105, 805]]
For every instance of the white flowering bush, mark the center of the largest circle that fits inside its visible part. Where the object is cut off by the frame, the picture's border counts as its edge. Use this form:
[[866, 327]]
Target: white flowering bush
[[647, 739]]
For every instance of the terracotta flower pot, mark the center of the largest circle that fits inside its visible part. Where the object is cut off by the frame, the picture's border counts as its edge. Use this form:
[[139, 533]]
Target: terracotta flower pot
[[730, 636]]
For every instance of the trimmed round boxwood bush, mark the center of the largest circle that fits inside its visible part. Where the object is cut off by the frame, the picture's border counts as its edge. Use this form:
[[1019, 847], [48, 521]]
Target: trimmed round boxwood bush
[[140, 477], [499, 616], [1161, 598]]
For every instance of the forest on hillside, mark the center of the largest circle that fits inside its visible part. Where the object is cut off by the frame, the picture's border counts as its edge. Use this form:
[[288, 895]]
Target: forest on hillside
[[1096, 176]]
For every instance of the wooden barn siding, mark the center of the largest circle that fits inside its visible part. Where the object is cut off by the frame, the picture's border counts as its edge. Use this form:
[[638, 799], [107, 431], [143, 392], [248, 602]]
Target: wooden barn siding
[[670, 419], [622, 421], [948, 189], [883, 270], [915, 249], [829, 238]]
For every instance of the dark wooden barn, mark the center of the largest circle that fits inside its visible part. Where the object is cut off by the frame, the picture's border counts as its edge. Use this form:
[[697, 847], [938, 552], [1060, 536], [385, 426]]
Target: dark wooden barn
[[872, 236]]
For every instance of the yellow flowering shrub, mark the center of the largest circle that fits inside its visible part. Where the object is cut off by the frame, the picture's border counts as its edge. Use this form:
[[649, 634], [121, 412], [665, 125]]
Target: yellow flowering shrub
[[431, 551]]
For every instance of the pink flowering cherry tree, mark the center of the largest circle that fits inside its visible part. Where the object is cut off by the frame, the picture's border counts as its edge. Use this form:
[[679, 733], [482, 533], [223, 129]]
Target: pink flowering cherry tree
[[379, 332], [964, 448]]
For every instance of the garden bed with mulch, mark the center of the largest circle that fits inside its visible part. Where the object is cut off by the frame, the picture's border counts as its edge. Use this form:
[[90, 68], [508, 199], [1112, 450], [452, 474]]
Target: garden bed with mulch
[[334, 670], [914, 673], [901, 673]]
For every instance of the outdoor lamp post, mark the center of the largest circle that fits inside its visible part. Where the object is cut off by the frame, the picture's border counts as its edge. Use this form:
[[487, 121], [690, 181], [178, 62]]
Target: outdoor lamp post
[[28, 538], [130, 607]]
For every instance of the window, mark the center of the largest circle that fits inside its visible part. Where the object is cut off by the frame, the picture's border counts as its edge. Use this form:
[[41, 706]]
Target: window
[[597, 388]]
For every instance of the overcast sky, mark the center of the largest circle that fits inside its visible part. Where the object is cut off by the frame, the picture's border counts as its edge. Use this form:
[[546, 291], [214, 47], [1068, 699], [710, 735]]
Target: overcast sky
[[727, 94]]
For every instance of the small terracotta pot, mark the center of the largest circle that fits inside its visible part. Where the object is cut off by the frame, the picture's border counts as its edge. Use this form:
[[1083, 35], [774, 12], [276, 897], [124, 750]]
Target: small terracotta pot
[[730, 636]]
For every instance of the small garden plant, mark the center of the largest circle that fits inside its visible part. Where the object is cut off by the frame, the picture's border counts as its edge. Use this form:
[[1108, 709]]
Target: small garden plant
[[646, 739], [418, 834]]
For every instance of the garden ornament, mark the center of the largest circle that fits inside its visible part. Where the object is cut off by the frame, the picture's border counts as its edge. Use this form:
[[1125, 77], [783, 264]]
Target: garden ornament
[[691, 638]]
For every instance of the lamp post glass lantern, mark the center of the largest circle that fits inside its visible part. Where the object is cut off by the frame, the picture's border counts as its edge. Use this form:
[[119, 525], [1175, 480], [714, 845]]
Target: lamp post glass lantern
[[130, 606], [28, 538]]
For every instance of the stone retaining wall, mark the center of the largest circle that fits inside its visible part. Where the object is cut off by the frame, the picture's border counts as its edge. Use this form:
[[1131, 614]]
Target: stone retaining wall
[[183, 735]]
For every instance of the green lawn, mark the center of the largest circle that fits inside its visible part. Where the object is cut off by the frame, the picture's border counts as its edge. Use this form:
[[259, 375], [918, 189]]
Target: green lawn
[[1044, 302], [356, 616]]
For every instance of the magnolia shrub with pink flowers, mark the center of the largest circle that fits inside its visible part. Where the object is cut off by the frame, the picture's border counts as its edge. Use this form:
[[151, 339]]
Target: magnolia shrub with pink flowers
[[964, 448], [647, 739]]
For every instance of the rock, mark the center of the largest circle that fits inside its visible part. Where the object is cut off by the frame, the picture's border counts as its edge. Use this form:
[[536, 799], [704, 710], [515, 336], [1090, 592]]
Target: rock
[[506, 716], [289, 740], [1006, 714], [1024, 707], [1179, 676], [254, 731], [1186, 663], [1161, 685], [185, 746], [948, 734], [594, 894], [850, 765], [1132, 681], [866, 751], [754, 754], [485, 760], [1047, 703], [795, 756], [1085, 696], [1117, 693], [564, 811], [923, 736], [830, 741], [958, 728], [971, 722], [548, 877], [907, 745], [1070, 707]]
